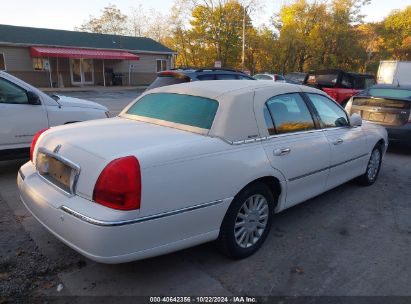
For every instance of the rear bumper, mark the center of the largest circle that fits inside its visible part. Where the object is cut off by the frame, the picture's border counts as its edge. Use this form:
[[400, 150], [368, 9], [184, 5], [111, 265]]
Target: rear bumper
[[400, 134], [105, 242]]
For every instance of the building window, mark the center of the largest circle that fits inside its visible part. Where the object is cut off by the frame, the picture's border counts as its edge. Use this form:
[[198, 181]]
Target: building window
[[38, 64], [161, 65], [2, 62]]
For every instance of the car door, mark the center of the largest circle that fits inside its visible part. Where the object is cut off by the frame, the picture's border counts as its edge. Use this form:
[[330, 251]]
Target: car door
[[295, 146], [19, 120], [349, 154]]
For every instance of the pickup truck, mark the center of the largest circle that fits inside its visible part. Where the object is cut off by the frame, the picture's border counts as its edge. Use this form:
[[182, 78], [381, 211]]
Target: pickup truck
[[340, 85], [24, 110]]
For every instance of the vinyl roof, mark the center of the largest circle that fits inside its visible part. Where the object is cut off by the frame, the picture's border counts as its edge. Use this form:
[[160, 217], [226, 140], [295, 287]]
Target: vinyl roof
[[49, 37]]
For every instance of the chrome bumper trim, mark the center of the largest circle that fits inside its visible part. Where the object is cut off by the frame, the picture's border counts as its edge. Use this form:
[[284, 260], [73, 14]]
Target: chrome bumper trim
[[138, 220], [22, 176]]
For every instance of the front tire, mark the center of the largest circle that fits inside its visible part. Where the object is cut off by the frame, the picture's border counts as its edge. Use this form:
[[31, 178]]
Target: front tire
[[247, 222], [373, 168]]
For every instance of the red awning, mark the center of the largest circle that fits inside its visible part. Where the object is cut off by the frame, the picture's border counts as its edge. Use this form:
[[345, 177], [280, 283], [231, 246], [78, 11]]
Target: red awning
[[39, 51]]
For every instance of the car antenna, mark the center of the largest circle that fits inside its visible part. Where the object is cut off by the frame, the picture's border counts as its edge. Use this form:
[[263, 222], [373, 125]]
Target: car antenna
[[398, 83]]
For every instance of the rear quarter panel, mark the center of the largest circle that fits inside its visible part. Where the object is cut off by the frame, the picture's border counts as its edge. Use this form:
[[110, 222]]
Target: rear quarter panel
[[204, 178], [374, 133]]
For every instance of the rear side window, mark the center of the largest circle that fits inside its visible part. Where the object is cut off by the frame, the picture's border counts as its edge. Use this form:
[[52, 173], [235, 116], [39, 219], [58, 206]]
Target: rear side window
[[206, 77], [162, 81], [330, 113], [183, 109], [12, 94], [369, 82], [225, 76], [347, 82], [290, 114]]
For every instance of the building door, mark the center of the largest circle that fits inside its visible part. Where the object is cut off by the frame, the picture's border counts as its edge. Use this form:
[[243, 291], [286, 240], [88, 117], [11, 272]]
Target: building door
[[82, 71]]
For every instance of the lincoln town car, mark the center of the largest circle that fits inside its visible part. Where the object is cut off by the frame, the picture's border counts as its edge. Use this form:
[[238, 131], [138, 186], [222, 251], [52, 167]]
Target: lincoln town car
[[192, 163]]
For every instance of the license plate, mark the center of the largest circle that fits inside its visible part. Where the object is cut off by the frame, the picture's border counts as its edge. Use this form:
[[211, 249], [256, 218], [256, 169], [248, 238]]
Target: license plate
[[56, 171], [377, 116]]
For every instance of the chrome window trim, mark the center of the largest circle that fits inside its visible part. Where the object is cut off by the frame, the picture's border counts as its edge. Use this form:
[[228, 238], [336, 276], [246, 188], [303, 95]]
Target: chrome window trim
[[96, 222], [265, 138], [65, 161]]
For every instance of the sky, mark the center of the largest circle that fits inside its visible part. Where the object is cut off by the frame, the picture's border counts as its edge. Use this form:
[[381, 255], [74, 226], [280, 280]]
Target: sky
[[68, 14]]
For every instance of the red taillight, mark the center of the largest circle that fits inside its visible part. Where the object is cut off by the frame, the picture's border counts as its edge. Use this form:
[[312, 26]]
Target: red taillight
[[119, 184], [34, 142]]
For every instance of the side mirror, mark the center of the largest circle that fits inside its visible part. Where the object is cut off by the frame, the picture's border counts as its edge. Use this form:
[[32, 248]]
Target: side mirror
[[33, 99], [355, 120]]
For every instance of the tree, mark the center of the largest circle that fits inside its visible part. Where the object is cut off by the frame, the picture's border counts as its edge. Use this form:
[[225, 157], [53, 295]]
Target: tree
[[137, 21], [396, 34], [112, 21]]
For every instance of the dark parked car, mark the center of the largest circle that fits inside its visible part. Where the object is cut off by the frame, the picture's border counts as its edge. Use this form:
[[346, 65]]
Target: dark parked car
[[175, 76], [296, 77], [386, 105], [340, 85]]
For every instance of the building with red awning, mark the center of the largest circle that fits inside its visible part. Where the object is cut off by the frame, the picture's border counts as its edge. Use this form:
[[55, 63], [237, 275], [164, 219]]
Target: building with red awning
[[46, 57]]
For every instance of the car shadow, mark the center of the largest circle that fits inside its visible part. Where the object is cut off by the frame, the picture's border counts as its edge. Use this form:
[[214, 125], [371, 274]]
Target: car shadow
[[397, 148], [8, 166]]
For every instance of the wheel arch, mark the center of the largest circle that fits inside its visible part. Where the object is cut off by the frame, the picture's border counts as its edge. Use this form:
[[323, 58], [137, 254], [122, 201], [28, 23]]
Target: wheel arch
[[272, 183]]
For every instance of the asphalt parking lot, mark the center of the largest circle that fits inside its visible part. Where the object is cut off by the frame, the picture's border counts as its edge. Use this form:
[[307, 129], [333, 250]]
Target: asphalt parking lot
[[350, 241]]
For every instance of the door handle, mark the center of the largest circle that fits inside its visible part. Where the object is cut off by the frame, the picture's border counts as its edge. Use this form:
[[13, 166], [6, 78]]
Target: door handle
[[282, 151], [338, 141]]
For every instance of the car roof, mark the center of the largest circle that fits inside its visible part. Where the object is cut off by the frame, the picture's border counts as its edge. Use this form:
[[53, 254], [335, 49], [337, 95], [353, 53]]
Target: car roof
[[341, 71], [391, 86], [212, 89], [206, 70]]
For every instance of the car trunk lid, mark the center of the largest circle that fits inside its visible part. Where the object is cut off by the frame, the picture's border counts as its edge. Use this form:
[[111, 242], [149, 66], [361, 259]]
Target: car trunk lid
[[92, 145], [385, 111]]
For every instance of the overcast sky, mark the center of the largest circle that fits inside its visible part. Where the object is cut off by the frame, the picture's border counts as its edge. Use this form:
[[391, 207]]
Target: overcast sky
[[68, 14]]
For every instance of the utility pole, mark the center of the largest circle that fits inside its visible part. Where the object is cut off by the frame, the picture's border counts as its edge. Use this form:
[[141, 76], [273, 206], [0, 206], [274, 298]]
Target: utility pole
[[243, 53]]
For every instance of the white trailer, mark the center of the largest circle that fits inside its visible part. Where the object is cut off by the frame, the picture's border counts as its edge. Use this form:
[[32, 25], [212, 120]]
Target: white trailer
[[394, 72]]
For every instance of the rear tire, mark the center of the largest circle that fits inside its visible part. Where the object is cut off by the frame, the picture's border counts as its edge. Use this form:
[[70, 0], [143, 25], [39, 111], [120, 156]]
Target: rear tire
[[247, 222], [373, 168]]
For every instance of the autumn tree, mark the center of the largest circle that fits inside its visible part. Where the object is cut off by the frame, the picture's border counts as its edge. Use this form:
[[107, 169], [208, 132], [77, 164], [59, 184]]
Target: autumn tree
[[111, 21], [396, 34]]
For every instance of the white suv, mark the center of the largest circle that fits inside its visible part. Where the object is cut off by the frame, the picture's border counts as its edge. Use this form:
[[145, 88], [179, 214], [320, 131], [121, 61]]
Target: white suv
[[24, 110]]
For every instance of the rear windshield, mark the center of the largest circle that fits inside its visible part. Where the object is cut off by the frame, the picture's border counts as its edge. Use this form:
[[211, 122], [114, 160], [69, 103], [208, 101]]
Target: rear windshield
[[188, 110], [390, 93], [165, 80]]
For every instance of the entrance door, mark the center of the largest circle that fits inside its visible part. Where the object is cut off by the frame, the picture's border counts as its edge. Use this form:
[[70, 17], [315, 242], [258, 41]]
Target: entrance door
[[82, 71]]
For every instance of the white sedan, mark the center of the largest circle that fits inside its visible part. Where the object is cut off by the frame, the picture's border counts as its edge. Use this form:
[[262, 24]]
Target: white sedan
[[24, 110], [192, 163]]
